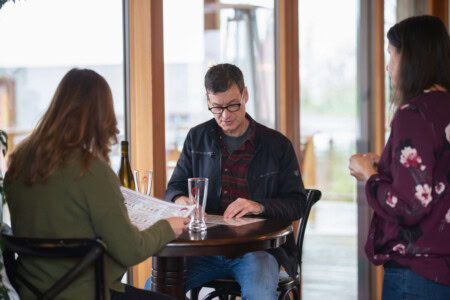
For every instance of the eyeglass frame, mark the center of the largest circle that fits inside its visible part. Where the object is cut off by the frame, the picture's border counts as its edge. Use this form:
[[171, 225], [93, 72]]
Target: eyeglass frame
[[226, 107]]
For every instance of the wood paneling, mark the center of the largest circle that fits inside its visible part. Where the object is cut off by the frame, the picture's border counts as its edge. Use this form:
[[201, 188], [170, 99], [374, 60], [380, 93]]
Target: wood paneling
[[379, 111], [439, 8], [147, 100], [380, 72], [288, 68]]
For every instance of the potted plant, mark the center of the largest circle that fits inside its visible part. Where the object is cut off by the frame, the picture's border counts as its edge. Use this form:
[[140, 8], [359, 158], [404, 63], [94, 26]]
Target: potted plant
[[2, 2], [7, 292]]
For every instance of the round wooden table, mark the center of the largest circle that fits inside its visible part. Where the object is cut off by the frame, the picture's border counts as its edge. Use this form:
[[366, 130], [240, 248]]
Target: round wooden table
[[230, 241]]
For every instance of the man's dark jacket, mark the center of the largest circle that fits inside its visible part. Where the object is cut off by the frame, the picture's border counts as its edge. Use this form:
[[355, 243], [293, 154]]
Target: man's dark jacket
[[273, 177]]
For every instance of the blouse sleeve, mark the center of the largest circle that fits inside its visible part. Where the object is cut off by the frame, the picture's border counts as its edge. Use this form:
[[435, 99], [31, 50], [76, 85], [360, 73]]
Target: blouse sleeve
[[402, 191]]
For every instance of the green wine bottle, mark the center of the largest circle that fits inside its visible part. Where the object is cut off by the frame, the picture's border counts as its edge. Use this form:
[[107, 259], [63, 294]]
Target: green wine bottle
[[125, 175]]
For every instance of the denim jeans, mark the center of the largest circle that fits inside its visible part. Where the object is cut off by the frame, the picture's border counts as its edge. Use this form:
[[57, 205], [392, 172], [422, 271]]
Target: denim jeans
[[404, 284], [256, 272]]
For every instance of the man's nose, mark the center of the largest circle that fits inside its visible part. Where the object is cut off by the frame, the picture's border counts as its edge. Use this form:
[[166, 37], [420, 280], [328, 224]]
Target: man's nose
[[226, 113]]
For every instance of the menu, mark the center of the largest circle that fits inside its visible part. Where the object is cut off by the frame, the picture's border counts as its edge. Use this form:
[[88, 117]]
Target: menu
[[144, 210], [220, 220]]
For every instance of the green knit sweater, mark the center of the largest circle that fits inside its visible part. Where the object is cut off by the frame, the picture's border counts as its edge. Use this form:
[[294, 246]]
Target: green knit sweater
[[70, 206]]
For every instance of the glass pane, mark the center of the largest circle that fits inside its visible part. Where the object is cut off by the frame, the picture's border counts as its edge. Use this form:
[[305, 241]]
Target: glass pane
[[328, 128], [201, 33], [394, 12], [41, 41]]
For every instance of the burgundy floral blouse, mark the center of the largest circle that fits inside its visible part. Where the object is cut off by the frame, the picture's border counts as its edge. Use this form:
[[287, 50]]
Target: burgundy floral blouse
[[410, 194]]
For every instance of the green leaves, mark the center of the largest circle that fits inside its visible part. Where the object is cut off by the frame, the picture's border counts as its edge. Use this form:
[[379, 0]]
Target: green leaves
[[4, 148], [3, 138], [2, 2]]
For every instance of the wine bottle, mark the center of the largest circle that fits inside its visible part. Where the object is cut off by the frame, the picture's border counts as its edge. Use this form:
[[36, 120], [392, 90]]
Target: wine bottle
[[125, 175]]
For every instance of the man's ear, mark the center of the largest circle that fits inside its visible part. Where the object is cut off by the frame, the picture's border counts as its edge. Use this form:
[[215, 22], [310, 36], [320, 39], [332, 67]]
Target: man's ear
[[245, 94]]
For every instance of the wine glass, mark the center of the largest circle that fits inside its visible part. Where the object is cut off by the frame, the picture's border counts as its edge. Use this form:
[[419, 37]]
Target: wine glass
[[143, 181]]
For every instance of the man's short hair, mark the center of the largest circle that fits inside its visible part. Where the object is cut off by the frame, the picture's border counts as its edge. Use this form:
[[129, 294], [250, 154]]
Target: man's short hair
[[220, 78]]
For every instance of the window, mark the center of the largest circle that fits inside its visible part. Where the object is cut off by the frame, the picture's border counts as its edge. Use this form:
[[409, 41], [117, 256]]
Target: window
[[41, 41], [327, 35], [201, 33]]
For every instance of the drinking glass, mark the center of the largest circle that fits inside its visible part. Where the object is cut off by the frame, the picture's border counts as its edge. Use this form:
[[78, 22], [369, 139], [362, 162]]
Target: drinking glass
[[198, 190], [143, 181]]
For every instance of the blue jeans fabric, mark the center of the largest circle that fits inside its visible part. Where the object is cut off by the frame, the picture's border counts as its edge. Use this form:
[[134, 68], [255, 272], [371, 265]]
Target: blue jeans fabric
[[256, 272], [404, 284]]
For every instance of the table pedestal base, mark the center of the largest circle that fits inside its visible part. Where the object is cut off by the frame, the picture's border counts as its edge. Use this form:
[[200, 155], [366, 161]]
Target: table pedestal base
[[168, 276]]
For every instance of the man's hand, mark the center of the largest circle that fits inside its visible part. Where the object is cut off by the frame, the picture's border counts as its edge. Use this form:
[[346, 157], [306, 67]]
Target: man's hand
[[183, 200], [241, 207]]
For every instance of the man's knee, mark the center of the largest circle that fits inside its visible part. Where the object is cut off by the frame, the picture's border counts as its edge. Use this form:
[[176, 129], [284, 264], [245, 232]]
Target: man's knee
[[260, 262], [257, 275]]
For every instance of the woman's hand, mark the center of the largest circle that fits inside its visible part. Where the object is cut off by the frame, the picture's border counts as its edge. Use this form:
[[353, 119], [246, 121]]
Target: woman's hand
[[183, 200], [374, 157], [178, 224], [362, 166]]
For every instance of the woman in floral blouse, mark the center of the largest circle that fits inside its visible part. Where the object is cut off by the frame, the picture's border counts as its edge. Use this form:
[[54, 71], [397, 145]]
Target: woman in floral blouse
[[408, 187]]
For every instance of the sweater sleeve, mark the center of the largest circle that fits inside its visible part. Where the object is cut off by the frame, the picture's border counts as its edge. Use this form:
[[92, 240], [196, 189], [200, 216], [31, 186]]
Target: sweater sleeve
[[402, 192], [109, 216]]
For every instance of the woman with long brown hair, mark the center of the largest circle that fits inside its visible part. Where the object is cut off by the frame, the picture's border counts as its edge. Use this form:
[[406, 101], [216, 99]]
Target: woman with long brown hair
[[59, 185], [408, 187]]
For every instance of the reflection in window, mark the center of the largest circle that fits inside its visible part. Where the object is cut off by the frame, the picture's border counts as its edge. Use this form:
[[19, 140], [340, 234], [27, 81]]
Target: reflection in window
[[201, 33], [41, 41]]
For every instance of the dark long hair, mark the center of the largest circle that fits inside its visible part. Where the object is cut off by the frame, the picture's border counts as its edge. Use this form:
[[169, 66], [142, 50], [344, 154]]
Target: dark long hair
[[424, 45], [80, 118]]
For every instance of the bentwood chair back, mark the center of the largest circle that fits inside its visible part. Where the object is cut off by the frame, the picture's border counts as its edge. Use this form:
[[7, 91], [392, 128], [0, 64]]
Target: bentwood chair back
[[87, 251], [226, 289]]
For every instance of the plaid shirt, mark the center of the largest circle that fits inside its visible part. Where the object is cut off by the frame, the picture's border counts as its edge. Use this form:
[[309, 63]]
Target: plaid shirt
[[235, 168]]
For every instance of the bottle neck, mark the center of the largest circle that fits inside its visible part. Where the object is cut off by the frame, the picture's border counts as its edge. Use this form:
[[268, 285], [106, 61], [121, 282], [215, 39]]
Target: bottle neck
[[124, 149]]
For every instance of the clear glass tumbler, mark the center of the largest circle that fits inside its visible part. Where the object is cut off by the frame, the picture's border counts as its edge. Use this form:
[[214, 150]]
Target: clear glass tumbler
[[198, 194]]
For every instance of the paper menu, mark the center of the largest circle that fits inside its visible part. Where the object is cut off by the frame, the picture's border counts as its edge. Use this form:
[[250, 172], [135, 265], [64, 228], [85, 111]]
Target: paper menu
[[144, 210], [220, 220]]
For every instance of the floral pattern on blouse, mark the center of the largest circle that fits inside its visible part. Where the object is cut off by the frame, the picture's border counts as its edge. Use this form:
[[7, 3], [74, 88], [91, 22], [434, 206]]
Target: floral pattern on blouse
[[423, 193], [409, 195], [391, 200], [409, 157]]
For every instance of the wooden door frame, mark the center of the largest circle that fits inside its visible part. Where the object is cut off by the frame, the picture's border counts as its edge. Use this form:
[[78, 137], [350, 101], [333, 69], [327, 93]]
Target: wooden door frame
[[145, 80]]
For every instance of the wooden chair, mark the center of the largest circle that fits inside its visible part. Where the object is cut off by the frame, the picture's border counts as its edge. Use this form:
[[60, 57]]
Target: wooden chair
[[225, 288], [89, 251]]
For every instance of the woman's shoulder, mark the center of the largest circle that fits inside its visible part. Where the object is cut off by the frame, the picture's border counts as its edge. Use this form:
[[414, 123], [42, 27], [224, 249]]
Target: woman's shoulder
[[429, 102], [97, 168], [432, 106]]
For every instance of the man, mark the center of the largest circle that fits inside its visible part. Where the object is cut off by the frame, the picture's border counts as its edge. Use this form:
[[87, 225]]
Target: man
[[252, 170]]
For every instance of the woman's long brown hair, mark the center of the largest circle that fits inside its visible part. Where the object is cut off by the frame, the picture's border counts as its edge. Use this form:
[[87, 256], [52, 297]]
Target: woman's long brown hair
[[80, 118]]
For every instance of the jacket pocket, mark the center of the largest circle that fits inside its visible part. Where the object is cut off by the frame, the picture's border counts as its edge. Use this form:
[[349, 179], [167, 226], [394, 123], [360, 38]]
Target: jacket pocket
[[203, 153], [273, 173], [266, 184]]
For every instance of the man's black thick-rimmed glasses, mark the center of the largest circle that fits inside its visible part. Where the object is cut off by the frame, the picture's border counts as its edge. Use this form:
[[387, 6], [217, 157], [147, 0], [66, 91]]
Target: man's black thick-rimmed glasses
[[217, 110]]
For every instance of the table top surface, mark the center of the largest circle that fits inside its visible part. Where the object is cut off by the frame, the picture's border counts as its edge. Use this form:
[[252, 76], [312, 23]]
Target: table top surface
[[229, 240]]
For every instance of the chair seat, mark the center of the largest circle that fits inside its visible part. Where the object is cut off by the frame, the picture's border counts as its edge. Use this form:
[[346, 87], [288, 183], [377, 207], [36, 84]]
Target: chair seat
[[229, 284], [287, 286]]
